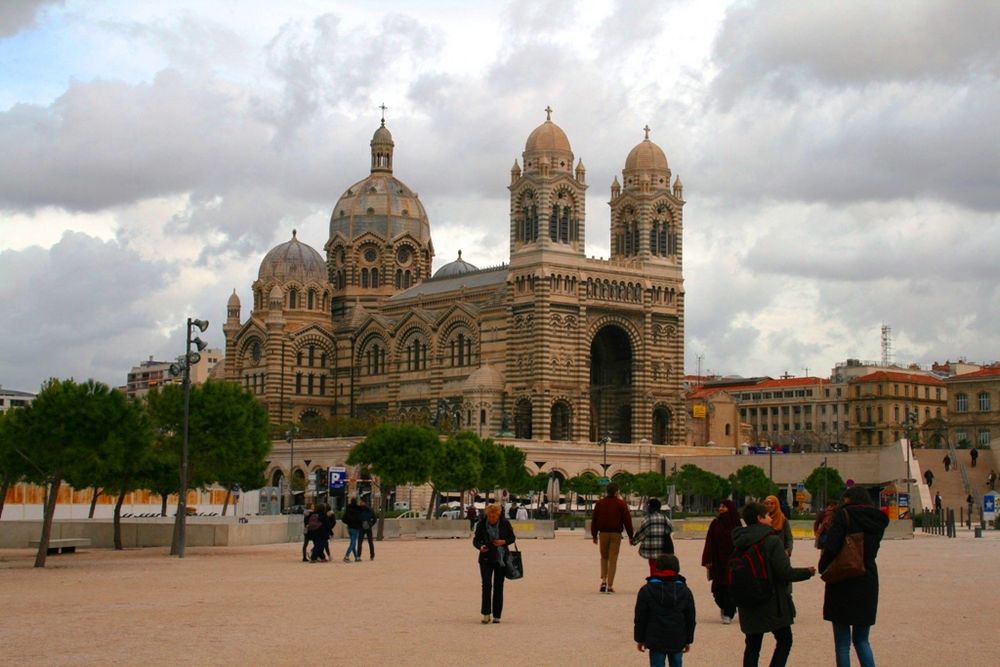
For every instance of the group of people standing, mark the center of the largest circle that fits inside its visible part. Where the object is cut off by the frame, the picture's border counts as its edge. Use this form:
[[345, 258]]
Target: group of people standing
[[319, 522], [664, 612]]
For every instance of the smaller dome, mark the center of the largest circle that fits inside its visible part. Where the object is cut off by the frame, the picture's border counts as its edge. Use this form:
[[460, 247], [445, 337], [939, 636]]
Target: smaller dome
[[382, 135], [547, 137], [234, 301], [456, 268], [646, 156], [293, 260], [486, 378], [276, 294]]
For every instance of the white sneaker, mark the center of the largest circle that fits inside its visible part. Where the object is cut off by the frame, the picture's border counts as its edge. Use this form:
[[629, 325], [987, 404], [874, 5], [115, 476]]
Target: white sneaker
[[726, 620]]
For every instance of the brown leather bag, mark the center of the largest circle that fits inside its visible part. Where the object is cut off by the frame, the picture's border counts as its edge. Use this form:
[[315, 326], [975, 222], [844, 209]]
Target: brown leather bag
[[850, 560]]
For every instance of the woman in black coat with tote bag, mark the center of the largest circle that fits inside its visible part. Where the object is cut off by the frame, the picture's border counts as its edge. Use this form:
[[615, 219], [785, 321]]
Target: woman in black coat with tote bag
[[851, 604]]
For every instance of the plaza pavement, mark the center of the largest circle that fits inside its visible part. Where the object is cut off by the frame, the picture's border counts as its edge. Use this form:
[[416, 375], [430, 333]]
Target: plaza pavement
[[417, 604]]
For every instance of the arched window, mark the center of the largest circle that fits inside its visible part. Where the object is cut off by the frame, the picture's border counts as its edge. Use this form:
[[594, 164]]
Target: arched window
[[661, 426], [293, 298], [364, 277], [406, 279], [309, 384], [298, 384], [298, 358], [322, 385], [312, 355], [522, 419], [311, 299], [374, 278], [961, 402], [559, 426]]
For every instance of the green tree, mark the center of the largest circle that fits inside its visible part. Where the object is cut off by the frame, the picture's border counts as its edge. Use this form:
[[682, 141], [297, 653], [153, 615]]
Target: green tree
[[750, 480], [516, 478], [822, 483], [625, 481], [228, 435], [12, 463], [64, 430], [585, 484], [492, 462], [648, 485], [458, 466], [398, 454]]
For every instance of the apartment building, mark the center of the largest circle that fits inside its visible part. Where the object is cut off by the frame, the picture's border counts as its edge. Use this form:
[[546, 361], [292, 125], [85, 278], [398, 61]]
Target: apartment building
[[880, 402], [151, 373], [974, 407]]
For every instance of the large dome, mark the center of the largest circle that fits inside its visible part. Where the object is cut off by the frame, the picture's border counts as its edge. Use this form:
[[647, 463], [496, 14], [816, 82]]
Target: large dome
[[293, 260], [383, 205], [646, 156], [456, 268]]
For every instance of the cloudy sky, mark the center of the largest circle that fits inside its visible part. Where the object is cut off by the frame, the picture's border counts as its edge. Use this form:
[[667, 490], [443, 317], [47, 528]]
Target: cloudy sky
[[840, 160]]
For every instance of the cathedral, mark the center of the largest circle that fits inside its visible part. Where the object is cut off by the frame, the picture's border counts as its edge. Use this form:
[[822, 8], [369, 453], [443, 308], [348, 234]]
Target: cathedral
[[551, 346]]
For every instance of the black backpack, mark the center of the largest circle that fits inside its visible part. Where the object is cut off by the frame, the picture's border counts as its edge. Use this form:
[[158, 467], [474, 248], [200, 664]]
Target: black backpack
[[314, 524], [748, 579]]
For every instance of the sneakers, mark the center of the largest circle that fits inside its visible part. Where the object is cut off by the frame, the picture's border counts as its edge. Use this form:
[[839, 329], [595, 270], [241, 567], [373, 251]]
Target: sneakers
[[726, 620], [486, 619], [346, 559], [496, 619]]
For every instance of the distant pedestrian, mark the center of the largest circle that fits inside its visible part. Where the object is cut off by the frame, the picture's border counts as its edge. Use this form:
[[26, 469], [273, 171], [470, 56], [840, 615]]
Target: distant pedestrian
[[851, 604], [352, 519], [305, 531], [611, 515], [779, 523], [929, 477], [777, 614], [947, 462], [974, 456], [368, 521], [664, 614], [716, 554], [318, 529], [494, 535], [522, 513], [653, 536], [937, 502], [970, 502], [471, 514], [991, 480]]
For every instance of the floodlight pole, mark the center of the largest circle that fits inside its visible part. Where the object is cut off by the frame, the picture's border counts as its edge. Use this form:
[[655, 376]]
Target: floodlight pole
[[182, 500]]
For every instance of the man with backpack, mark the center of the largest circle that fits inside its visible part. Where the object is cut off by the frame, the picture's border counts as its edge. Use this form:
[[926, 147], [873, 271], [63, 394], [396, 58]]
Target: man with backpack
[[760, 577]]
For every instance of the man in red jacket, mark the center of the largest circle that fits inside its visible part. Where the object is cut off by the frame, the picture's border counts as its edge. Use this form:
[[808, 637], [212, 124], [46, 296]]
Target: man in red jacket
[[611, 515]]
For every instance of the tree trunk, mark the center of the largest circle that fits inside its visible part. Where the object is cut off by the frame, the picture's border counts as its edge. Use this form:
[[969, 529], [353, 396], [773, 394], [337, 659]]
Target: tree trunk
[[430, 507], [163, 505], [50, 510], [175, 542], [225, 504], [3, 494], [118, 519], [94, 493], [381, 519]]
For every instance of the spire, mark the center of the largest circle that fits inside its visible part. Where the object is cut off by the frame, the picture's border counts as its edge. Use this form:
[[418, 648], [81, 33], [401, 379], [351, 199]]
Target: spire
[[382, 146], [581, 171]]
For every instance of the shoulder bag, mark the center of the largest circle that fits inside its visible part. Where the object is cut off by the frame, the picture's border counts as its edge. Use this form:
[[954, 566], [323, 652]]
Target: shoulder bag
[[850, 560], [514, 564]]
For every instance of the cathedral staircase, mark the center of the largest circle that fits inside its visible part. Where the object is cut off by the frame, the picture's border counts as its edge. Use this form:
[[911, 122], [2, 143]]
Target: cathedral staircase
[[949, 484]]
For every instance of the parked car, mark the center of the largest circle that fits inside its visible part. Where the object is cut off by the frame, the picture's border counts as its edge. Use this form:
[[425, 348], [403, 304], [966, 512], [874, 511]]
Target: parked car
[[451, 513]]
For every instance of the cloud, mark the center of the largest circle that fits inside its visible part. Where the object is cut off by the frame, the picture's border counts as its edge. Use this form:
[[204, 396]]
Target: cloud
[[16, 15], [69, 306]]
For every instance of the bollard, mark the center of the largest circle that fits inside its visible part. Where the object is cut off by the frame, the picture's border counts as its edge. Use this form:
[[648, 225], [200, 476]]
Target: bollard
[[979, 531]]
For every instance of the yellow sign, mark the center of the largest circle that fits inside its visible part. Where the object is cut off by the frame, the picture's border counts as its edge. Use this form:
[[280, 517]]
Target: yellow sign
[[698, 411]]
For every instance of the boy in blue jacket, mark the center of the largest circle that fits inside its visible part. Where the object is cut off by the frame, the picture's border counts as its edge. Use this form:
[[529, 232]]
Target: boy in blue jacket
[[664, 615]]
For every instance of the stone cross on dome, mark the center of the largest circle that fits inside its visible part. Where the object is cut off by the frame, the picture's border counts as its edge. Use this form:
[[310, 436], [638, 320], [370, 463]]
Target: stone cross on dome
[[384, 108], [548, 113], [646, 130]]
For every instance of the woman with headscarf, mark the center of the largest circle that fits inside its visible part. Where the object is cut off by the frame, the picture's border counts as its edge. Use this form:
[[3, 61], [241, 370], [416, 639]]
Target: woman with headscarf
[[494, 535], [716, 554], [781, 526]]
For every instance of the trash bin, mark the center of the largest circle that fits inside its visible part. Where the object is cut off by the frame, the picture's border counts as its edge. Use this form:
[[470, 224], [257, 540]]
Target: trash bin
[[979, 531]]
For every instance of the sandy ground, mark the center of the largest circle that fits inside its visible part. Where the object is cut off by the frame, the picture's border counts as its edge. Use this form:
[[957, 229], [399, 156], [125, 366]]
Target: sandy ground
[[417, 604]]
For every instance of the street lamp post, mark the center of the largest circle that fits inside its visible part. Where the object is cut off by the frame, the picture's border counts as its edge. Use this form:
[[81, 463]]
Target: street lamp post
[[290, 437], [604, 443], [189, 358]]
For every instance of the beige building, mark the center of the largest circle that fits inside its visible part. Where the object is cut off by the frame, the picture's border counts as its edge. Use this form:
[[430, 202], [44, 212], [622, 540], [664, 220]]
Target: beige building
[[151, 374], [974, 407], [879, 403], [553, 347], [11, 398]]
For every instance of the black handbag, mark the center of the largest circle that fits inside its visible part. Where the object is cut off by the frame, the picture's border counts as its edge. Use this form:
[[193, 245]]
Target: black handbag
[[514, 568]]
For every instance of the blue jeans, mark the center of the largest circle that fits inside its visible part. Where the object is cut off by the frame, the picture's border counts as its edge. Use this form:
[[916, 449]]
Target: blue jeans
[[353, 547], [843, 636], [664, 659]]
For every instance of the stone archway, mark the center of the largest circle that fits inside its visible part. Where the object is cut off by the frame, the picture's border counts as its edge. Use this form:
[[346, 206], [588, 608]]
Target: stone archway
[[611, 362]]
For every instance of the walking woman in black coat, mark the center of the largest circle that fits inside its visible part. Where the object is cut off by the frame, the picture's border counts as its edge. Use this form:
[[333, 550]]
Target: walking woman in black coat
[[851, 604], [494, 535]]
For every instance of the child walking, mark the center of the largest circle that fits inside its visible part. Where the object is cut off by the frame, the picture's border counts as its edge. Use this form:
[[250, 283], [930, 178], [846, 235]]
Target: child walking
[[664, 615]]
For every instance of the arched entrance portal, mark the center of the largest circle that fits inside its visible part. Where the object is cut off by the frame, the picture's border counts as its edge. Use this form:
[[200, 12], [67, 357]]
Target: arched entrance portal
[[611, 385]]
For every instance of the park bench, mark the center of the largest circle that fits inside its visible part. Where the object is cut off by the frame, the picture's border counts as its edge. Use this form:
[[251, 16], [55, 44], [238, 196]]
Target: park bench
[[66, 545]]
